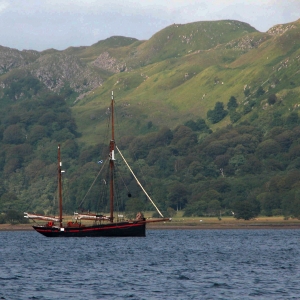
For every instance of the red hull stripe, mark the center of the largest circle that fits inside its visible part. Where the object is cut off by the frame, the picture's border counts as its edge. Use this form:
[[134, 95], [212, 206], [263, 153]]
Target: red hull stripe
[[85, 229]]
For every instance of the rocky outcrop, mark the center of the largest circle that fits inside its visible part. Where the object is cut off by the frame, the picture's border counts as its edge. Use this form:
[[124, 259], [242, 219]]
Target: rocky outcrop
[[246, 43], [13, 58], [106, 62], [57, 70], [280, 29]]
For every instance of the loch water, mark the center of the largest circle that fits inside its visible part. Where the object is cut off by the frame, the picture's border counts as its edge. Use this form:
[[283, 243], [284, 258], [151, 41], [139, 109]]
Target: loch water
[[167, 264]]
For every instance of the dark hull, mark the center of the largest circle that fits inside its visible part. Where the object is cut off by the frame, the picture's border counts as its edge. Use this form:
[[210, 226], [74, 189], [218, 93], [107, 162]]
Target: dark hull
[[123, 229]]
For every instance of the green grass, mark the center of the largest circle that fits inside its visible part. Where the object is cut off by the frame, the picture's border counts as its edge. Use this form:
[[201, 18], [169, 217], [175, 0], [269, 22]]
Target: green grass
[[169, 88]]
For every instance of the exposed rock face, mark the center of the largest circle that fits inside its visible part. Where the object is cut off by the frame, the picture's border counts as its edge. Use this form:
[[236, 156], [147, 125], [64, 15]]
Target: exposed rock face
[[106, 62], [246, 43], [55, 69], [13, 58], [59, 69], [280, 29]]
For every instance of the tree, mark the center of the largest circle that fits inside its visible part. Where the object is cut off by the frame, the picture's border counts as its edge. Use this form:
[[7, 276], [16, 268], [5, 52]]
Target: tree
[[47, 119], [8, 200], [272, 99], [199, 125], [13, 217], [134, 205], [234, 116], [138, 148], [195, 209], [252, 166], [54, 101], [213, 207], [12, 119], [202, 126], [218, 113], [164, 136], [171, 212], [216, 148], [244, 210], [221, 160], [34, 168], [260, 91], [211, 195], [292, 119], [12, 165], [295, 205], [277, 119], [191, 124], [247, 92], [232, 103], [285, 139], [294, 152], [13, 135], [247, 108], [62, 135], [182, 132], [268, 202], [37, 133], [71, 149], [177, 196], [267, 148], [195, 168]]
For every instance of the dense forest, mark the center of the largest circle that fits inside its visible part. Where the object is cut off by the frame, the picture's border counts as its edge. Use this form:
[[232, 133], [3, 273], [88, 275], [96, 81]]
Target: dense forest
[[242, 169], [245, 169]]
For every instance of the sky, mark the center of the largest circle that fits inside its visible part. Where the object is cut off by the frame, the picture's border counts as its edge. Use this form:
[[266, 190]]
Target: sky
[[59, 24]]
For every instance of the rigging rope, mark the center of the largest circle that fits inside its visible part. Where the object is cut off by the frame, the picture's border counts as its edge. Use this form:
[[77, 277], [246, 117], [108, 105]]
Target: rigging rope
[[139, 182], [143, 176], [93, 183], [122, 179]]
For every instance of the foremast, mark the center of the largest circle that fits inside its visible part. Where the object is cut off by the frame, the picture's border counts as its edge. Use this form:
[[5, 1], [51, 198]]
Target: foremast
[[112, 159], [59, 187]]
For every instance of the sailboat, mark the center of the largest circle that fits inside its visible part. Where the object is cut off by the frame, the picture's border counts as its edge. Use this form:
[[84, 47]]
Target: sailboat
[[102, 226]]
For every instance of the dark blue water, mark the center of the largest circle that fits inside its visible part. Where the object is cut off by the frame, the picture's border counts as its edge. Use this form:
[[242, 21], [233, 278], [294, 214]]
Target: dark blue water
[[167, 264]]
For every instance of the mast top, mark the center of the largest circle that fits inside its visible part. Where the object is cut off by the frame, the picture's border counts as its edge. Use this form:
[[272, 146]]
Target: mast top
[[112, 158]]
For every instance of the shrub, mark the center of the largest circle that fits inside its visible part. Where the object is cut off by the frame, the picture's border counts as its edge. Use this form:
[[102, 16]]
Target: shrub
[[272, 99]]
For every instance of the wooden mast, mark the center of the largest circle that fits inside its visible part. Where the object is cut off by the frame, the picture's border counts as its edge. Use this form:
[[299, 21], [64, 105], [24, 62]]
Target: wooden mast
[[112, 159], [59, 188]]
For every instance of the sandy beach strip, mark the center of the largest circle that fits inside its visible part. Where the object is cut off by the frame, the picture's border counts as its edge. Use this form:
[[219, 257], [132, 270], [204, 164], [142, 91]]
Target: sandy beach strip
[[172, 226]]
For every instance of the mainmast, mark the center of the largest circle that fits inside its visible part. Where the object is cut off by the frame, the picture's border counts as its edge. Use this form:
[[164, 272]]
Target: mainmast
[[112, 159], [59, 187]]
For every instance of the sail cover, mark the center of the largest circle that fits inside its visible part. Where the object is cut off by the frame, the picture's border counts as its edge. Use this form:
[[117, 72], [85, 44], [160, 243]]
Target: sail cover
[[40, 217]]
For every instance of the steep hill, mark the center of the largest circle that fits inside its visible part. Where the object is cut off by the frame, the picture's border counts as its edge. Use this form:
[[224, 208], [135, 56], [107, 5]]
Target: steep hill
[[172, 90]]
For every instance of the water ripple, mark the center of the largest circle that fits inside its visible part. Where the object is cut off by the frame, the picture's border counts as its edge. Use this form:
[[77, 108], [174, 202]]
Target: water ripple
[[167, 264]]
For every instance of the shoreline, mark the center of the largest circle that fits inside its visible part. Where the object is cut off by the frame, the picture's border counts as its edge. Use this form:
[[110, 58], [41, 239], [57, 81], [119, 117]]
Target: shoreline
[[228, 226], [192, 226]]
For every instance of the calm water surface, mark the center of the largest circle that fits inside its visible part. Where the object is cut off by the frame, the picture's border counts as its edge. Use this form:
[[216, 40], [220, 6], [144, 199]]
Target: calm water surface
[[167, 264]]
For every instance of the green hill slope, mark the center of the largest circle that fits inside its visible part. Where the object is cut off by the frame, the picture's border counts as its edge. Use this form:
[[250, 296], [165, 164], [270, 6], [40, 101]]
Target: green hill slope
[[175, 89]]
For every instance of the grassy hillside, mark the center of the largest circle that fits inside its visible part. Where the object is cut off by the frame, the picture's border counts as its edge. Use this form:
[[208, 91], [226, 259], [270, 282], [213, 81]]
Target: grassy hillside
[[90, 53], [188, 68]]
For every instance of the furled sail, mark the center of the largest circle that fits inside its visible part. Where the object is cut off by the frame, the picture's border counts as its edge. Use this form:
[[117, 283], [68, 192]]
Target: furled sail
[[40, 217], [78, 216]]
